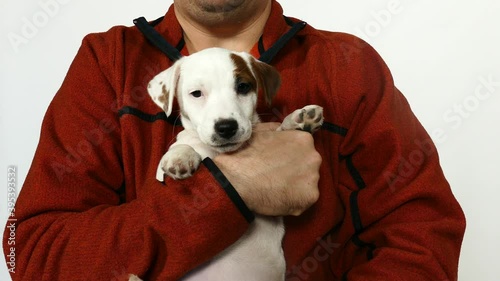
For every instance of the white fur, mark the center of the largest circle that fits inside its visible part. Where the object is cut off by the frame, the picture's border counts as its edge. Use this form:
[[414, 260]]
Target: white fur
[[258, 254]]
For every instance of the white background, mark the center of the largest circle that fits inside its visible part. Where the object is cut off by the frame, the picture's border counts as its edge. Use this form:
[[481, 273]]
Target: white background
[[438, 51]]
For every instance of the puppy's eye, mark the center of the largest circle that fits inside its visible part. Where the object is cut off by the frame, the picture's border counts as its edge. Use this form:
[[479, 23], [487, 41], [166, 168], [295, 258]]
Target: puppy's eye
[[243, 88], [196, 94]]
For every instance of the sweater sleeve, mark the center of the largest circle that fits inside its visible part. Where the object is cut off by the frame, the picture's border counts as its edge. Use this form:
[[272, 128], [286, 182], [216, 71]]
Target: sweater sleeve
[[402, 220], [71, 223]]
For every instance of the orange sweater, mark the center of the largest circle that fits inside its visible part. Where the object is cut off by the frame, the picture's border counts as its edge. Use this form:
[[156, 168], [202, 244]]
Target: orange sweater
[[91, 209]]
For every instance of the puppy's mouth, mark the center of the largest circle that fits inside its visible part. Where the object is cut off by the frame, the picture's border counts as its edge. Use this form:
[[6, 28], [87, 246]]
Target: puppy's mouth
[[227, 147], [229, 144]]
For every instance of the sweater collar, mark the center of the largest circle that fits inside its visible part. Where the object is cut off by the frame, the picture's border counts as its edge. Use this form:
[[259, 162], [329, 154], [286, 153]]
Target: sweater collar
[[277, 27]]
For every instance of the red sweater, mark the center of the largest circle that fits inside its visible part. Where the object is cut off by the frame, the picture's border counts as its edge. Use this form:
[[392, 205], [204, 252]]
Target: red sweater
[[91, 209]]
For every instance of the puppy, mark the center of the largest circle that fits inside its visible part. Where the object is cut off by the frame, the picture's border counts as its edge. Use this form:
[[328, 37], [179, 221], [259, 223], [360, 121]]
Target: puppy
[[217, 94]]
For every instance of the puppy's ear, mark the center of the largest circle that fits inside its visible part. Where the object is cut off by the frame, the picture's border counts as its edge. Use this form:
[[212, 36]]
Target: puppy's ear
[[268, 79], [163, 87]]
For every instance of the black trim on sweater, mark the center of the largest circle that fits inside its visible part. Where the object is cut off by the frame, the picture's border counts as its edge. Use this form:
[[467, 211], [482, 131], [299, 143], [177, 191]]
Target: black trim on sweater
[[229, 189], [176, 120], [127, 110], [156, 21], [336, 129], [181, 44], [362, 244], [354, 208], [289, 21], [356, 176], [355, 216], [261, 46], [268, 55], [156, 39], [173, 53]]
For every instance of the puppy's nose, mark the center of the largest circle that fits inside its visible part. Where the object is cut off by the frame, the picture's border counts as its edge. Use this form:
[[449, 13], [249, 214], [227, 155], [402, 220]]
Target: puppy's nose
[[226, 128]]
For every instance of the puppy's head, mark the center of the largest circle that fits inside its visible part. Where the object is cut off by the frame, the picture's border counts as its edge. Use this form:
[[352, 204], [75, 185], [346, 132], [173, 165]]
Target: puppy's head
[[217, 93]]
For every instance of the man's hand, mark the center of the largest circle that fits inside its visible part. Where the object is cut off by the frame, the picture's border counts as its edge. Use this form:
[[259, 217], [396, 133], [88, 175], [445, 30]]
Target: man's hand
[[277, 173]]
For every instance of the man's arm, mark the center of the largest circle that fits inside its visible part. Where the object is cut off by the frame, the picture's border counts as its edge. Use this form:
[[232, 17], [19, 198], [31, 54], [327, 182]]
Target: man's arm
[[402, 220]]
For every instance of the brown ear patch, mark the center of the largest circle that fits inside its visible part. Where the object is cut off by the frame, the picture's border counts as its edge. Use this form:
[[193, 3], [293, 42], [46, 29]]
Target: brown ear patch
[[268, 79], [164, 97], [242, 72]]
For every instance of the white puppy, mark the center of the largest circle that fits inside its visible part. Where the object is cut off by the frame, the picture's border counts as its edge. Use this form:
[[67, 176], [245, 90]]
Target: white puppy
[[217, 94]]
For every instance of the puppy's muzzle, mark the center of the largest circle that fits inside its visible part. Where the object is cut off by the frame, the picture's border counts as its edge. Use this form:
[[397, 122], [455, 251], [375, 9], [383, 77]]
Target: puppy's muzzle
[[226, 128]]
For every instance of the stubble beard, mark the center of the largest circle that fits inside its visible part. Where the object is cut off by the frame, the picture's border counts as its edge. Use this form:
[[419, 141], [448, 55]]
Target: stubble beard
[[214, 12], [220, 6]]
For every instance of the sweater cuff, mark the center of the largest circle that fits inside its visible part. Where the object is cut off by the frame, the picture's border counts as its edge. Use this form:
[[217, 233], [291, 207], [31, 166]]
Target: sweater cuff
[[229, 189]]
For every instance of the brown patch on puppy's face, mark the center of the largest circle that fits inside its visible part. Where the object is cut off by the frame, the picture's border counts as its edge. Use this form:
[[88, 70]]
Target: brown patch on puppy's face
[[245, 81], [264, 77]]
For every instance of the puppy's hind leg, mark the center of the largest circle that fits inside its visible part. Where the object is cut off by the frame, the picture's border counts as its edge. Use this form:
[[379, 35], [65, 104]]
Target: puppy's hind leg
[[309, 118]]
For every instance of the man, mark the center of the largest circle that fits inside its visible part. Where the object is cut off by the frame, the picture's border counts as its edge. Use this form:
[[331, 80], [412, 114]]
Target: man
[[364, 200]]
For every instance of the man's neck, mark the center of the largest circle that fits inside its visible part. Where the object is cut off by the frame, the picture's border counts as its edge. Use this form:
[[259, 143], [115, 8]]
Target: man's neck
[[229, 34]]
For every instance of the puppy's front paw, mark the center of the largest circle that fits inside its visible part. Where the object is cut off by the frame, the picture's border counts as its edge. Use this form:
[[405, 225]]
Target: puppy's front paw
[[180, 162], [133, 277], [309, 118]]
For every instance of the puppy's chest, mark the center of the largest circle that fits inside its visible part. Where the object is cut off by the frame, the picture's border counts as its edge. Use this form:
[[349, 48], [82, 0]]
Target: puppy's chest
[[254, 257]]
